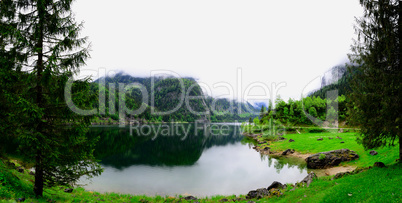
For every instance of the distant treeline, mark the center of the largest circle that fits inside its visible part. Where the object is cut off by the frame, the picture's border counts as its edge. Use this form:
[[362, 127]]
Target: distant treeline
[[295, 112]]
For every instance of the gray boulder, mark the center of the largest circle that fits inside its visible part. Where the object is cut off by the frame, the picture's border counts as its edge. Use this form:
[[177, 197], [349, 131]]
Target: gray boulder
[[190, 198], [22, 199], [379, 164], [11, 164], [258, 194], [276, 185], [288, 151], [372, 152], [20, 169], [309, 178], [332, 158], [340, 175], [68, 190], [238, 199]]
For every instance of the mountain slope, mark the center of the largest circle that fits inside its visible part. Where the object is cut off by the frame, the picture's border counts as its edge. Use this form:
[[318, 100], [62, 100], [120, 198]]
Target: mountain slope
[[167, 99], [339, 80]]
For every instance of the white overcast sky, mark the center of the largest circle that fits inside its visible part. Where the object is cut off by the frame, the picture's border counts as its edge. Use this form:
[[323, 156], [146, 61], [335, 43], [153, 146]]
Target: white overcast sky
[[270, 41]]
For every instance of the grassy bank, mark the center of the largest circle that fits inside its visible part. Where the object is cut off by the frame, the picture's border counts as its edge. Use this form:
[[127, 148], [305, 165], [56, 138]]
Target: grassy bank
[[307, 143], [373, 185]]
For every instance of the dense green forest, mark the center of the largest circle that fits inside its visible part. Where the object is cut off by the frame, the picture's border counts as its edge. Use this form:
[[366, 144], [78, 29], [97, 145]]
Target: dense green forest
[[307, 110], [164, 97]]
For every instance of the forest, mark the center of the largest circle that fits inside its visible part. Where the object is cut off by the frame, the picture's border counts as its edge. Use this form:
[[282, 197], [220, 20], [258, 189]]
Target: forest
[[165, 94]]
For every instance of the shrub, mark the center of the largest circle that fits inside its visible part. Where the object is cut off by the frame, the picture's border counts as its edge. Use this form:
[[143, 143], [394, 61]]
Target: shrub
[[316, 130], [290, 129], [115, 117]]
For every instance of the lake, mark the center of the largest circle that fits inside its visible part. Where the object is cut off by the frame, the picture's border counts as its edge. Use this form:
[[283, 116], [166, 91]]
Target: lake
[[186, 159]]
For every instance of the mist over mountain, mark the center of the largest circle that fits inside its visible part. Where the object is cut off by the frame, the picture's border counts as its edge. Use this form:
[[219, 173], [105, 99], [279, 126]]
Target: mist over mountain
[[258, 105], [337, 78], [333, 75]]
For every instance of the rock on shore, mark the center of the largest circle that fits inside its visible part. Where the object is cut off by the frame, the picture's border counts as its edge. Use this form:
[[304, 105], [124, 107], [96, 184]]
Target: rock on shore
[[331, 158]]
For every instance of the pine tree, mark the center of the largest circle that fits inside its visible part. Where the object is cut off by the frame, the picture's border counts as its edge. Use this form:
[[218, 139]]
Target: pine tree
[[250, 121], [10, 84], [376, 86], [270, 106], [262, 112], [50, 134]]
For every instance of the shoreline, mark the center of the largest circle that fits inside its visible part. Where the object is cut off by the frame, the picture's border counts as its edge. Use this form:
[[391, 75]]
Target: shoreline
[[319, 172]]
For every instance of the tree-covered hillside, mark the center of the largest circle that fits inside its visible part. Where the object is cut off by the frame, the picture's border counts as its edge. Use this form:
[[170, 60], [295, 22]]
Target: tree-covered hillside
[[230, 110], [164, 99]]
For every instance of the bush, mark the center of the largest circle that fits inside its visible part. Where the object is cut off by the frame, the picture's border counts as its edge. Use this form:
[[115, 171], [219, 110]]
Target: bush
[[290, 129], [316, 130], [115, 117]]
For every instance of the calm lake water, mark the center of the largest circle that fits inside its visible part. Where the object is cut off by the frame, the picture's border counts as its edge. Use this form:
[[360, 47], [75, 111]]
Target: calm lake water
[[185, 159]]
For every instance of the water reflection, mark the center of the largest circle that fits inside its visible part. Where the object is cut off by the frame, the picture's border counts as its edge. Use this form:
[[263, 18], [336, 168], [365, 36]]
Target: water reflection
[[119, 148], [206, 161], [278, 162]]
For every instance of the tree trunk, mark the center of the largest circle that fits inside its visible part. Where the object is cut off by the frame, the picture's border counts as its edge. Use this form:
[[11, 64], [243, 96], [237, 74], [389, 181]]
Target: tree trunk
[[400, 56], [38, 187], [400, 149]]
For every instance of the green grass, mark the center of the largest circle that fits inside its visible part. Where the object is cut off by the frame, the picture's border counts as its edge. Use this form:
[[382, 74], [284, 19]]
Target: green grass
[[373, 185], [307, 143]]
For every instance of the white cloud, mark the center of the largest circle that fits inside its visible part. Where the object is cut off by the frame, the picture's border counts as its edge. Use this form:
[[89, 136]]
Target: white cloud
[[272, 41]]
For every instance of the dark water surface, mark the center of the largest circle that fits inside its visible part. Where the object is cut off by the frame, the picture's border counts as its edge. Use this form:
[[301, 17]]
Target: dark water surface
[[185, 159]]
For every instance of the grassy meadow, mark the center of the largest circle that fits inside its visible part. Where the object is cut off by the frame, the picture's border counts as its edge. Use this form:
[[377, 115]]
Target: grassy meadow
[[307, 143]]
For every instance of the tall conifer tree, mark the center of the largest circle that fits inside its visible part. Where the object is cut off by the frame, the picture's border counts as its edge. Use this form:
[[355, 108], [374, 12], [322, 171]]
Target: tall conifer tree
[[46, 39], [377, 85]]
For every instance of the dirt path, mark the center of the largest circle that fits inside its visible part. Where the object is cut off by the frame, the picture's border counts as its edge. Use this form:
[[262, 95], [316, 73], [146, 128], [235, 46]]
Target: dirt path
[[334, 170]]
